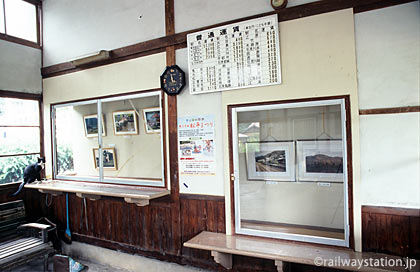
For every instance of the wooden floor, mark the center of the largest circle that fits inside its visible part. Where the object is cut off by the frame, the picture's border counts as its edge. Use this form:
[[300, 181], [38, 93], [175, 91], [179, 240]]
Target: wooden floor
[[293, 229]]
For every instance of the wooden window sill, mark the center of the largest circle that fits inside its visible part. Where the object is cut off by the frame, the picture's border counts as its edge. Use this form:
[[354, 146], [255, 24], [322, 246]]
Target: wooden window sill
[[137, 195]]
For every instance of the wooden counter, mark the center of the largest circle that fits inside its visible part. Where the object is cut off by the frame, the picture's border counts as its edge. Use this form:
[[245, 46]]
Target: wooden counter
[[131, 194]]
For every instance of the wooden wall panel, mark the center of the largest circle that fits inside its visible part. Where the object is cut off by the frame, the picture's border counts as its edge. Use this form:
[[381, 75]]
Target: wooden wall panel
[[34, 201], [115, 221], [148, 231], [391, 230], [199, 215]]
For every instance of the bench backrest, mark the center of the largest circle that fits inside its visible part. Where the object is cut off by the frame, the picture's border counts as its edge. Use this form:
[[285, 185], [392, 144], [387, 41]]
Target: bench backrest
[[12, 214]]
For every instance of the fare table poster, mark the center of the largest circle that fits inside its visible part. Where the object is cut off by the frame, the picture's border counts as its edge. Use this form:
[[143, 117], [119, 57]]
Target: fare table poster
[[196, 146], [241, 55]]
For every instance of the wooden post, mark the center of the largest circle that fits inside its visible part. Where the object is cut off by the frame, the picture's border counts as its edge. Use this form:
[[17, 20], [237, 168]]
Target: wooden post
[[173, 134]]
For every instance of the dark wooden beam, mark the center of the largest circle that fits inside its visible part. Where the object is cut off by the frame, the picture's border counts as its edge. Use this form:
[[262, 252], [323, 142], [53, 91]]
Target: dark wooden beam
[[17, 40], [179, 40], [202, 197], [390, 110], [169, 17], [34, 2], [20, 95], [391, 211]]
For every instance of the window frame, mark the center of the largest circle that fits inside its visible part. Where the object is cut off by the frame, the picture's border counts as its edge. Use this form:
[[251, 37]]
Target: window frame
[[34, 97], [38, 44], [101, 179], [344, 101]]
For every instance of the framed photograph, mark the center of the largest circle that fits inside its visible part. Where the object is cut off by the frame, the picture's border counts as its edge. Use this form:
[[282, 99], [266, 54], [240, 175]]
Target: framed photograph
[[271, 161], [91, 125], [320, 160], [125, 122], [110, 158], [151, 118]]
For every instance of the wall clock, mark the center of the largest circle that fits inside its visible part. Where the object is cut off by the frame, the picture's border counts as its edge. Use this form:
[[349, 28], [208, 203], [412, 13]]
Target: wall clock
[[172, 81], [278, 4]]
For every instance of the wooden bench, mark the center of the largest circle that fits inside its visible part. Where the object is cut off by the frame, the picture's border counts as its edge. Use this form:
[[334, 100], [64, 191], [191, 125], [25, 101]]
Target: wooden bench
[[222, 247], [15, 247]]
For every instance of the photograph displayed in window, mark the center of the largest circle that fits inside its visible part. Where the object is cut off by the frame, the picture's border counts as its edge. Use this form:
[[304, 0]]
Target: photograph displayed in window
[[19, 137], [291, 181], [129, 154]]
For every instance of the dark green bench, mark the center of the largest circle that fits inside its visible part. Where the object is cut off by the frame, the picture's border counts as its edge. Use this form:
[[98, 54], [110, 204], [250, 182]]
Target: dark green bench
[[21, 242]]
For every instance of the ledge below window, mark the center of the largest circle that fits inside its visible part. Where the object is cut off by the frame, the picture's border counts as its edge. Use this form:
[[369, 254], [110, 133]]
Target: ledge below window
[[93, 191]]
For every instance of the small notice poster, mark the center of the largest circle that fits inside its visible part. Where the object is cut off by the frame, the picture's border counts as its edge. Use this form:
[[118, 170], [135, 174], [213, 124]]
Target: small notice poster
[[196, 149], [240, 55]]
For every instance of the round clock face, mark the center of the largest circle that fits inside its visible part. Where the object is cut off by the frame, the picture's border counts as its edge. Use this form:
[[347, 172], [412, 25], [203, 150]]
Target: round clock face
[[172, 80], [277, 4]]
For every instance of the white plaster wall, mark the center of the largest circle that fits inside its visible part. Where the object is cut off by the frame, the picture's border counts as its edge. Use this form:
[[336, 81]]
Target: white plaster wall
[[318, 59], [193, 105], [390, 156], [20, 68], [388, 49], [79, 27], [192, 14]]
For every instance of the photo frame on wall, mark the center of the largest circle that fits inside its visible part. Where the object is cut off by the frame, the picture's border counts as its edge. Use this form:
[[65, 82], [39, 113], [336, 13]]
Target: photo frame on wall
[[151, 117], [90, 123], [109, 157], [271, 161], [125, 122], [320, 160]]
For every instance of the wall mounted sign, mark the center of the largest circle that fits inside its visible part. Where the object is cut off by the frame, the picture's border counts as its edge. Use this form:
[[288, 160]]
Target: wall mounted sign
[[196, 147], [240, 55]]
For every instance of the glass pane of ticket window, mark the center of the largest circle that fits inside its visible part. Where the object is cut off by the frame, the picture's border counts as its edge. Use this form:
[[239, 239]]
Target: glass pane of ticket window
[[134, 140], [290, 171], [75, 138], [129, 149]]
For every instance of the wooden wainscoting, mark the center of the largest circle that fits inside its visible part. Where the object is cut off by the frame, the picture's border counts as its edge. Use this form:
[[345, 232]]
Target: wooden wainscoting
[[391, 230], [111, 222], [200, 213], [34, 201], [151, 230]]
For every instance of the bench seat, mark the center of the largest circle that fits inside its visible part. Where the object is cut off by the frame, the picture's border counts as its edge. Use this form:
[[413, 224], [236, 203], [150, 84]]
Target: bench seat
[[15, 247], [18, 251], [222, 247]]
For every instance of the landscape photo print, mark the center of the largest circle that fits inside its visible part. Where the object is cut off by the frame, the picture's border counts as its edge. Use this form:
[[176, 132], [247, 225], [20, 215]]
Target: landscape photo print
[[270, 161], [320, 160], [91, 125]]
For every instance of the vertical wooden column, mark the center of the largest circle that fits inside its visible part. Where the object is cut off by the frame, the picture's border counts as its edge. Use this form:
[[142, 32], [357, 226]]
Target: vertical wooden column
[[173, 133]]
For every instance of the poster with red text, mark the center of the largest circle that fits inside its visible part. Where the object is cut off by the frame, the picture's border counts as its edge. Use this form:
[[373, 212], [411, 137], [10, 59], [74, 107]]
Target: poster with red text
[[196, 146]]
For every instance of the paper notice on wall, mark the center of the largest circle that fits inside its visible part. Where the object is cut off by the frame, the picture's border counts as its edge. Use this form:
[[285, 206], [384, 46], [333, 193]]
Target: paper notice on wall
[[196, 147]]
